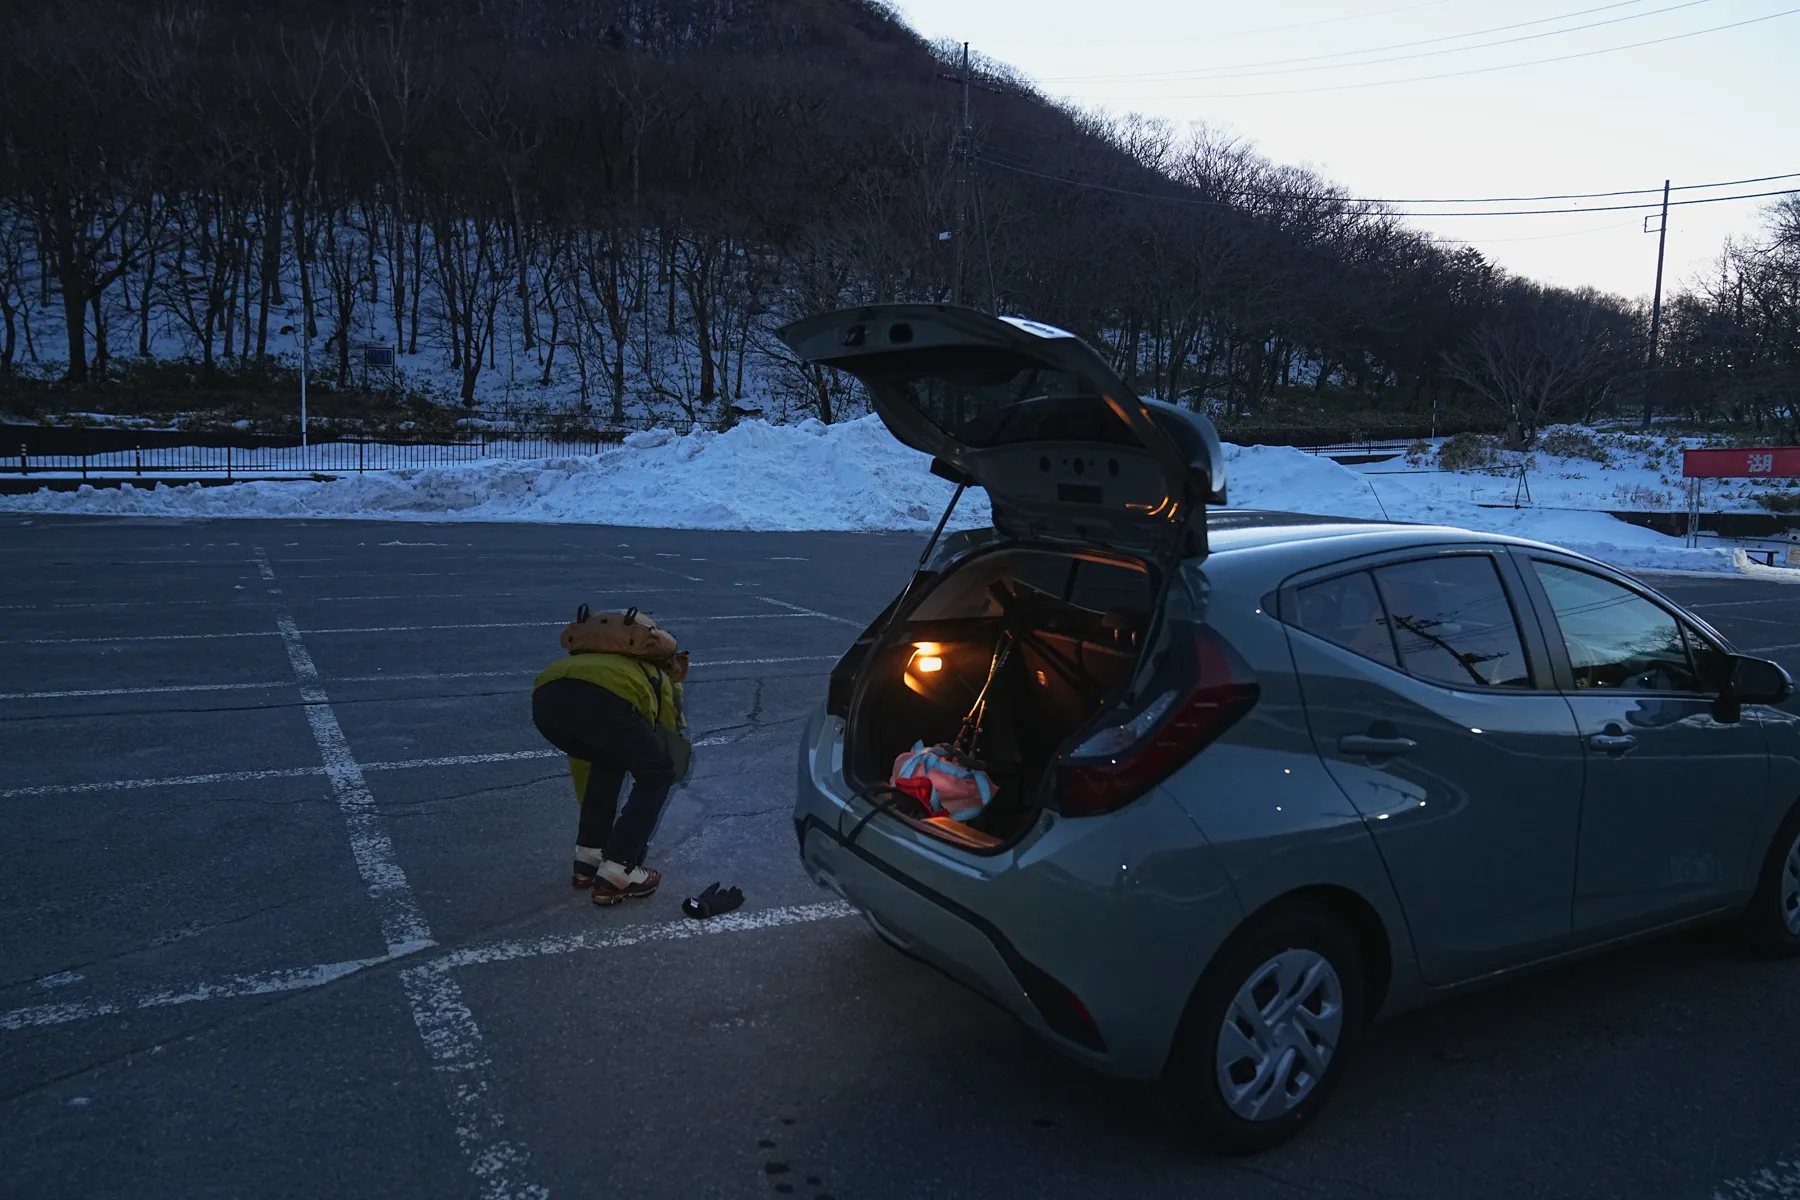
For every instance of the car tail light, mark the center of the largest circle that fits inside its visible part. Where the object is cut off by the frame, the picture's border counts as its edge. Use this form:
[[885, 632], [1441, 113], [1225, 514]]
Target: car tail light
[[1203, 693]]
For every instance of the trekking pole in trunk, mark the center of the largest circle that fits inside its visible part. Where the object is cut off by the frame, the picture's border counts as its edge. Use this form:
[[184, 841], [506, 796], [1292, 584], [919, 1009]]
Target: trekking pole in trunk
[[970, 732]]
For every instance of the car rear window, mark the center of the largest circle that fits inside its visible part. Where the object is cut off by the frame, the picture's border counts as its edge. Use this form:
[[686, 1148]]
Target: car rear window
[[987, 398], [1453, 623], [1346, 612]]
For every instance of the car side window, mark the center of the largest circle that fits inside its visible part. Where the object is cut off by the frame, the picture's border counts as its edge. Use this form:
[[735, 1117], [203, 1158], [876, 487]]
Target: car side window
[[1346, 612], [1617, 640], [1453, 623]]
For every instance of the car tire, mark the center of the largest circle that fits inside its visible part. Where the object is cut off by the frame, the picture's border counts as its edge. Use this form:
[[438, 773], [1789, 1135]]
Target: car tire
[[1770, 926], [1270, 1087]]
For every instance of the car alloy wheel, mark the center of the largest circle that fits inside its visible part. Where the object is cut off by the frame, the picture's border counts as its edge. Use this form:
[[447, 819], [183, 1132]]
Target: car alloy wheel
[[1280, 1033]]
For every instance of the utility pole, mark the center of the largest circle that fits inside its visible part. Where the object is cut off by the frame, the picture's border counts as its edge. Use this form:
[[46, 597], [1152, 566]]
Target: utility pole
[[1662, 239], [962, 186], [966, 191]]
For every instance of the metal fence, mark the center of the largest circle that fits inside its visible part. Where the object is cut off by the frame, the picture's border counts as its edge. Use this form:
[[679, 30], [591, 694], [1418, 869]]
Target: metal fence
[[1310, 437], [113, 453], [110, 452]]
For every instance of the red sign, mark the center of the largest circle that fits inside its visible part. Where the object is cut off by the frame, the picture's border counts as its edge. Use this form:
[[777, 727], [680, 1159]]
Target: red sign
[[1767, 462]]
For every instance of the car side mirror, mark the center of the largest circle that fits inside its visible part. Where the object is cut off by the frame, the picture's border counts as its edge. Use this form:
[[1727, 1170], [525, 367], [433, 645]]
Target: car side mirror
[[1759, 681]]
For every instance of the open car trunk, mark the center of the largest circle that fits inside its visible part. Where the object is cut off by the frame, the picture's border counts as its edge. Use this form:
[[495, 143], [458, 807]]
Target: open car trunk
[[1064, 626]]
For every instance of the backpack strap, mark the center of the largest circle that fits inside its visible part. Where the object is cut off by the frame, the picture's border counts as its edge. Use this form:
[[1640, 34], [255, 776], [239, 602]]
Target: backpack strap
[[654, 678]]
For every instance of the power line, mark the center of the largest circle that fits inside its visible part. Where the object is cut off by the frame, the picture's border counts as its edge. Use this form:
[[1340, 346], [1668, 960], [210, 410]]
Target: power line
[[1201, 202], [1381, 12], [1599, 208], [1686, 187], [1263, 194], [1535, 62], [1205, 72]]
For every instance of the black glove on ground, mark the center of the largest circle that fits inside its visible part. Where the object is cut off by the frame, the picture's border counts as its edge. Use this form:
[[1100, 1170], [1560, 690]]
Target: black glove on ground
[[712, 902]]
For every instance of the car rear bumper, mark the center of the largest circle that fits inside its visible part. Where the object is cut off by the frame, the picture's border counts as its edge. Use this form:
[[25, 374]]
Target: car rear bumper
[[1091, 942]]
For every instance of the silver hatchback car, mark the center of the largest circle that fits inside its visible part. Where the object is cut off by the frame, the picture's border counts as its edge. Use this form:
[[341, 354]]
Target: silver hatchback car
[[1254, 777]]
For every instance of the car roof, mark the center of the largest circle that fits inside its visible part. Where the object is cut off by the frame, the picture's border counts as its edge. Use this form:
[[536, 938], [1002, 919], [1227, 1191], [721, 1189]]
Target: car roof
[[1231, 531]]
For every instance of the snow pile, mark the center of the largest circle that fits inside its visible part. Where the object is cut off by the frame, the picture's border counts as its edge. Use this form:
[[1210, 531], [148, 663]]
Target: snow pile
[[1282, 477], [848, 476]]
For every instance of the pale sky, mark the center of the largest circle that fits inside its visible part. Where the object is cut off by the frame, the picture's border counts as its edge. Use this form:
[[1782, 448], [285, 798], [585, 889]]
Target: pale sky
[[1719, 106]]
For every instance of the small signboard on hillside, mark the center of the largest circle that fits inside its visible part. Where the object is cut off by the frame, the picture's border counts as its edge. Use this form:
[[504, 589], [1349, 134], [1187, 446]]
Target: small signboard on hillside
[[1755, 462]]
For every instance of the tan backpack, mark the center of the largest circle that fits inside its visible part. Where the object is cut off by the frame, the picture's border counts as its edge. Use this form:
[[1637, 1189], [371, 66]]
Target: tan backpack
[[629, 633]]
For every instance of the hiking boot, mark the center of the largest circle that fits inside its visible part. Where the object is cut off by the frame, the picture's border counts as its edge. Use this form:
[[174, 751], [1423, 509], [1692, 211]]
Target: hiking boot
[[587, 862], [614, 882]]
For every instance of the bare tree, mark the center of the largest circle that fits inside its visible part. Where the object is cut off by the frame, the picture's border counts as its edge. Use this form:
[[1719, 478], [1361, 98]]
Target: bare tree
[[1530, 364]]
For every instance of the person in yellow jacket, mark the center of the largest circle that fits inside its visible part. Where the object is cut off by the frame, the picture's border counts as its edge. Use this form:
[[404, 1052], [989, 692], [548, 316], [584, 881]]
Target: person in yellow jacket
[[614, 715]]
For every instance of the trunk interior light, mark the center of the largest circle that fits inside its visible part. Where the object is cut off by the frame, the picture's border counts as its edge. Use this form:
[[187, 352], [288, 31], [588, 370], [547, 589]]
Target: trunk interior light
[[927, 658]]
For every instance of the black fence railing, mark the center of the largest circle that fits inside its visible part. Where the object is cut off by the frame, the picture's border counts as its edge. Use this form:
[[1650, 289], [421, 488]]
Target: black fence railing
[[112, 453], [1310, 436]]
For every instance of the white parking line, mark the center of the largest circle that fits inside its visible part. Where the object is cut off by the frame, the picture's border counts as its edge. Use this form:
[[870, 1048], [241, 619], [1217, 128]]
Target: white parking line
[[438, 1010], [143, 637], [1772, 649], [520, 672], [250, 598], [634, 935], [809, 612], [231, 987], [201, 637], [457, 1048], [83, 693], [146, 691], [129, 785], [664, 621], [301, 978], [402, 921], [405, 764]]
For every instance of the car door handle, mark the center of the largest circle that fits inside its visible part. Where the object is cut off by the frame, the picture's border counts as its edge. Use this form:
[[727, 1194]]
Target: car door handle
[[1366, 746], [1614, 744]]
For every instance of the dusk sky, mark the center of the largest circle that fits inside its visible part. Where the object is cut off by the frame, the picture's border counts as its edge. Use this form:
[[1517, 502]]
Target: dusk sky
[[1295, 77]]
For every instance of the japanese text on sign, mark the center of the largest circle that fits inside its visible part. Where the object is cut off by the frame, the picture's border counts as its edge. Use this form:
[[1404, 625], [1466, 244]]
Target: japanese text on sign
[[1777, 462]]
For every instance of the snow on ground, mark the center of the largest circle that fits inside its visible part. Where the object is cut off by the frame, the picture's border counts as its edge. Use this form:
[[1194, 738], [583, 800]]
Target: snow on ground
[[855, 476], [1286, 478], [851, 476], [1615, 472]]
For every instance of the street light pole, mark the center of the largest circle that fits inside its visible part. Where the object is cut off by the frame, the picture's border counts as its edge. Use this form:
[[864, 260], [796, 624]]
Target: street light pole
[[305, 353]]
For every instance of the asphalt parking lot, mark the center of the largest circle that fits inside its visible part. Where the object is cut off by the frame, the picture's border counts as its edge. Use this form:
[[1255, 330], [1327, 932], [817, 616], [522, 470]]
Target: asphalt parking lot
[[284, 912]]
